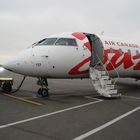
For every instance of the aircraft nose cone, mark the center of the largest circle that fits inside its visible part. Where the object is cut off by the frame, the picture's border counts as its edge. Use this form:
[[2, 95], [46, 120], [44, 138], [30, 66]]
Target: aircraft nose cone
[[11, 65], [17, 64]]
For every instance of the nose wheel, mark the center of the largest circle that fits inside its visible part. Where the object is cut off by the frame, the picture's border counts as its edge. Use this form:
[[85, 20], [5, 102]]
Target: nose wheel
[[44, 90]]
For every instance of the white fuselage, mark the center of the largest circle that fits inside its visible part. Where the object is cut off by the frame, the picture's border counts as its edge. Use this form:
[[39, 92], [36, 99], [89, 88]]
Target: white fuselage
[[60, 61]]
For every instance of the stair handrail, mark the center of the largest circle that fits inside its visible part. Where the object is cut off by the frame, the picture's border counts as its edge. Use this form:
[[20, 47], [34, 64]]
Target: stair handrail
[[103, 65], [118, 76]]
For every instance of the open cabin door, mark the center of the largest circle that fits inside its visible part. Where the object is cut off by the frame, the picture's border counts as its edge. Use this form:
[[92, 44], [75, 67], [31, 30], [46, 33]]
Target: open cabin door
[[97, 49], [99, 76]]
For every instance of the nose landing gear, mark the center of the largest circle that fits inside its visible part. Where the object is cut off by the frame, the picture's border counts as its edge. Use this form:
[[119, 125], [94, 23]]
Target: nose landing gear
[[44, 90]]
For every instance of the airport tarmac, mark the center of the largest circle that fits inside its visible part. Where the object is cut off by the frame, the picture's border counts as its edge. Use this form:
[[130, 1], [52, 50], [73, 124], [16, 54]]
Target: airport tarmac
[[73, 111]]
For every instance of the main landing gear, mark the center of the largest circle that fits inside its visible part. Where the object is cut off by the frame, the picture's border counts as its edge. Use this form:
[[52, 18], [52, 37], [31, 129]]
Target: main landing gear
[[44, 90]]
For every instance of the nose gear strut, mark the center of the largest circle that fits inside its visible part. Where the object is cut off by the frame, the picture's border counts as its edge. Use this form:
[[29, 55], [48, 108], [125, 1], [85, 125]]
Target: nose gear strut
[[44, 90]]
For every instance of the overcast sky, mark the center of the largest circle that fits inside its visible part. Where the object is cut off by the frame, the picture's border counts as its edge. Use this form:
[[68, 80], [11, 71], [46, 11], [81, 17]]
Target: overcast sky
[[23, 22]]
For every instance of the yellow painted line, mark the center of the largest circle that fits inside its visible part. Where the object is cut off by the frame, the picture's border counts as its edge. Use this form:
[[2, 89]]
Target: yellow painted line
[[24, 100], [30, 97]]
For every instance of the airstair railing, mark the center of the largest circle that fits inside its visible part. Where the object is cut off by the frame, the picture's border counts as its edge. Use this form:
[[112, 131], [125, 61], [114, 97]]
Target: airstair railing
[[118, 76], [102, 64]]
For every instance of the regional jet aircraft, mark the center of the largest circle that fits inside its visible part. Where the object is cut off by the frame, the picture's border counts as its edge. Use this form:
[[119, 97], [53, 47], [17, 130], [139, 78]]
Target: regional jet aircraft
[[79, 55]]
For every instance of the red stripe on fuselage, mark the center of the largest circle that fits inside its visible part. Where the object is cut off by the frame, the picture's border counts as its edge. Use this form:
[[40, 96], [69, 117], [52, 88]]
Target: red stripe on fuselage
[[79, 36], [126, 60], [76, 69], [87, 44]]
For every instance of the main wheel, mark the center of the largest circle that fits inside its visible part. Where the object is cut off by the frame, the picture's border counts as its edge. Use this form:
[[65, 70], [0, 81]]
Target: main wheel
[[7, 87], [43, 92]]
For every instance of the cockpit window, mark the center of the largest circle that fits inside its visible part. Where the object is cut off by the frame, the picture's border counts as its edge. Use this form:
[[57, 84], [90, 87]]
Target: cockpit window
[[57, 42], [66, 42], [47, 41]]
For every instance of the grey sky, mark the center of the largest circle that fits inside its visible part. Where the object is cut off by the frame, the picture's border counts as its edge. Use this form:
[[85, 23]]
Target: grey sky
[[23, 22]]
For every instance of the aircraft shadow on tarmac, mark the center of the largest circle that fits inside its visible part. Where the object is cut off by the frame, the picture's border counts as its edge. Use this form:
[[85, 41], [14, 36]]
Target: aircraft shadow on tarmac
[[128, 86]]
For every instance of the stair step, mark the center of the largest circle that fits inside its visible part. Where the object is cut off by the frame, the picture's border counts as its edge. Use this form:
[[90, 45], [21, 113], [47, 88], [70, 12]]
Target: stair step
[[99, 68], [103, 73], [107, 82], [105, 77], [110, 86], [93, 77], [116, 95], [111, 92], [102, 83], [112, 96]]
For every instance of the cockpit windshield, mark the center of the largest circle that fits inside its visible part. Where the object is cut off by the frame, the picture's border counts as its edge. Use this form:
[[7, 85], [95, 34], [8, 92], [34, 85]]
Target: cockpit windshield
[[66, 42], [57, 42], [47, 41]]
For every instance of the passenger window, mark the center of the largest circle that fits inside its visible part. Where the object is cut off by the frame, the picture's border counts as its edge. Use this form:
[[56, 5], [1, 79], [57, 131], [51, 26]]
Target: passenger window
[[111, 50], [120, 51], [137, 52], [129, 52], [66, 42]]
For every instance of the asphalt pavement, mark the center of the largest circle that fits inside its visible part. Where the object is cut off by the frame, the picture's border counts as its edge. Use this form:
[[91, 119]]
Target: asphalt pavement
[[73, 111]]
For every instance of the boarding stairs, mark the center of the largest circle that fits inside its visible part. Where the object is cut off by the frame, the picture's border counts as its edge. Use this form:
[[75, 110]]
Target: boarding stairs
[[102, 81]]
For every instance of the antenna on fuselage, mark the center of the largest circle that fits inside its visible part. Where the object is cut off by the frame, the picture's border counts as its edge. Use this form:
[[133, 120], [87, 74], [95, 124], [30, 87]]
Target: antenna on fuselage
[[102, 33]]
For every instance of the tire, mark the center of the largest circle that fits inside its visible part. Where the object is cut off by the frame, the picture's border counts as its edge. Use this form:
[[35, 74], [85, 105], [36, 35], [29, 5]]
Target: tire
[[39, 91], [43, 92], [7, 87]]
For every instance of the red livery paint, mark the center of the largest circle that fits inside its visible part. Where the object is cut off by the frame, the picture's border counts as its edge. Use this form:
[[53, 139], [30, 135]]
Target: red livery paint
[[117, 60], [79, 36], [87, 44], [76, 71], [137, 66], [125, 60]]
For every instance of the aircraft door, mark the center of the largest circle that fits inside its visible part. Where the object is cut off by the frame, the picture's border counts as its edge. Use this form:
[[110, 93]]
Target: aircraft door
[[97, 49]]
